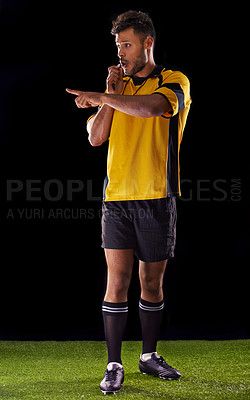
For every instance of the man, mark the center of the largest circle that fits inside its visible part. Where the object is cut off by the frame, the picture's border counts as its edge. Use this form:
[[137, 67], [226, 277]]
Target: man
[[143, 114]]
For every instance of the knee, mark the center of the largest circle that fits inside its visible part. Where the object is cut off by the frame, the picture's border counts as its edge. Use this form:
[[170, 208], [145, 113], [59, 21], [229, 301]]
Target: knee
[[152, 286], [120, 284], [117, 288]]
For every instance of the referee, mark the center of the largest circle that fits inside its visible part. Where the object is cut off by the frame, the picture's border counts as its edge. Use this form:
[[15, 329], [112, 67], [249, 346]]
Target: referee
[[143, 114]]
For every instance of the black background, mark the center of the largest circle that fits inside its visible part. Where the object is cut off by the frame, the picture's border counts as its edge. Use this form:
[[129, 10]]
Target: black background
[[52, 269]]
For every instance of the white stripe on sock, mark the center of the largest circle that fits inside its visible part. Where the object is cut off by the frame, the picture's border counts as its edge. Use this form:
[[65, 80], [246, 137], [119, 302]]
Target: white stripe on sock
[[147, 308], [115, 310]]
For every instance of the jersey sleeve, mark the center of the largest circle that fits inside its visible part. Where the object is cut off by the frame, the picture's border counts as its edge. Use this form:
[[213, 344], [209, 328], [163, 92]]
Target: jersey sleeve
[[175, 87]]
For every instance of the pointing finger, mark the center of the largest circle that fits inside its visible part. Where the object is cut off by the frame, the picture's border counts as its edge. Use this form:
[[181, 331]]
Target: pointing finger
[[76, 92]]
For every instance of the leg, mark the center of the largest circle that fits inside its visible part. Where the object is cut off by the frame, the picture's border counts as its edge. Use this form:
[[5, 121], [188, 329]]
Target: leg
[[120, 266], [115, 306], [151, 278], [151, 303]]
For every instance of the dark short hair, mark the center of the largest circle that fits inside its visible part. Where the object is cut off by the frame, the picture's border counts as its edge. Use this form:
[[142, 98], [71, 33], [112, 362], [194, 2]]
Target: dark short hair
[[138, 20]]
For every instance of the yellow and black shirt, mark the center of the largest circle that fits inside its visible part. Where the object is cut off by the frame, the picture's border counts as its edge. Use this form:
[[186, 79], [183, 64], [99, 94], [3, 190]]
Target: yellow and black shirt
[[143, 156]]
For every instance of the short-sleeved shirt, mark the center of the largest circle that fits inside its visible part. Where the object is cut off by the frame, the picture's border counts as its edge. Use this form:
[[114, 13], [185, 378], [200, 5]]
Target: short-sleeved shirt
[[143, 155]]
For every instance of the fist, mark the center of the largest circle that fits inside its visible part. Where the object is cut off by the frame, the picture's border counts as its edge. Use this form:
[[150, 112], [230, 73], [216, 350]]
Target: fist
[[114, 80]]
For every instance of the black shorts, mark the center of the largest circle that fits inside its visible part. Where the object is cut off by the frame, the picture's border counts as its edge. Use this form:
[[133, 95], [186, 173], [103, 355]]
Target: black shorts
[[147, 226]]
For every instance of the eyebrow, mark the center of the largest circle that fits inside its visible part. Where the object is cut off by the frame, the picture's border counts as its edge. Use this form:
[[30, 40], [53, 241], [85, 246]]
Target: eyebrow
[[123, 41]]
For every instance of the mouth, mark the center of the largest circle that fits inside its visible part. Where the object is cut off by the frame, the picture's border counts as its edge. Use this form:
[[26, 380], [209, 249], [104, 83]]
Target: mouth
[[124, 64]]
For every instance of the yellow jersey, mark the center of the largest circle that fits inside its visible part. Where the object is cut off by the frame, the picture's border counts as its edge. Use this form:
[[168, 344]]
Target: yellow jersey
[[143, 155]]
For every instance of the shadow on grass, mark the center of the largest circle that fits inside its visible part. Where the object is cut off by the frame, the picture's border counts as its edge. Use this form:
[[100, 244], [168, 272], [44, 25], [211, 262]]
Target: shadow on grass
[[53, 390], [139, 386]]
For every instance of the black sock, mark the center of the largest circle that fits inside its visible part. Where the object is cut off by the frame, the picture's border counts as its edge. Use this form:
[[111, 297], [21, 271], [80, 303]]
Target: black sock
[[114, 318], [150, 317]]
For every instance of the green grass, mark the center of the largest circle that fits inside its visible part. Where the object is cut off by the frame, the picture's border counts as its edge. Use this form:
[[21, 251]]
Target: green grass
[[73, 371]]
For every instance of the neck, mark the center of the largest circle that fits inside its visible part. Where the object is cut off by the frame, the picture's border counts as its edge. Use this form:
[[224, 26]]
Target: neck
[[147, 69]]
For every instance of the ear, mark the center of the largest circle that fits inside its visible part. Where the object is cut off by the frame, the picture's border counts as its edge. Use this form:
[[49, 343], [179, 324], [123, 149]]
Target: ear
[[149, 41]]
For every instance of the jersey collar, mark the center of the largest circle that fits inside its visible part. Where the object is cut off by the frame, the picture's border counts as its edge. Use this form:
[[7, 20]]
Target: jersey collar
[[139, 80]]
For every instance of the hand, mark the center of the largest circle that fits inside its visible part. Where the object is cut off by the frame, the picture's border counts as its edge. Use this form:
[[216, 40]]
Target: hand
[[114, 80], [86, 99]]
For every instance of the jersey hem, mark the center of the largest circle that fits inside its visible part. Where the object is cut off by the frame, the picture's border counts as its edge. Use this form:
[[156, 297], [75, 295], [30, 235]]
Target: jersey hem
[[173, 194]]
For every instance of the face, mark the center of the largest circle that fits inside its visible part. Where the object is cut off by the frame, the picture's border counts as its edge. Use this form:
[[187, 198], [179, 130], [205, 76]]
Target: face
[[131, 51]]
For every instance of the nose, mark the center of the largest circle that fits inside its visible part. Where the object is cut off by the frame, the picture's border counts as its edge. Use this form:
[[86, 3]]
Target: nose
[[120, 52]]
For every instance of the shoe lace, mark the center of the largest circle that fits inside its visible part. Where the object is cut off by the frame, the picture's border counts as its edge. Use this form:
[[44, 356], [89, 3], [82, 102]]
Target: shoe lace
[[111, 375], [162, 362]]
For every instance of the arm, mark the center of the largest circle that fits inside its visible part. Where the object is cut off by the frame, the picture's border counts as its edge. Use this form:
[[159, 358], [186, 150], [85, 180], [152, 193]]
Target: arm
[[144, 106], [98, 126]]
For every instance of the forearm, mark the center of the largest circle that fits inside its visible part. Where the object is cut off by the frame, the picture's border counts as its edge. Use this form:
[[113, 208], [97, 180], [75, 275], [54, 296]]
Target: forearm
[[144, 106], [99, 126]]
